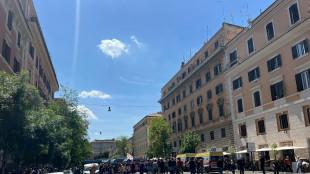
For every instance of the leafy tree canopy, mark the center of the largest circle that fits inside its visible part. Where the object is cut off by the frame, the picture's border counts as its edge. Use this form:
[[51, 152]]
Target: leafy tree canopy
[[189, 142]]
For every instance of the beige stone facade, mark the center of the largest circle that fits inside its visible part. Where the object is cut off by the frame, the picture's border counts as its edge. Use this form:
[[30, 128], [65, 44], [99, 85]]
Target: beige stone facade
[[23, 47], [267, 79], [99, 146], [140, 139], [195, 98]]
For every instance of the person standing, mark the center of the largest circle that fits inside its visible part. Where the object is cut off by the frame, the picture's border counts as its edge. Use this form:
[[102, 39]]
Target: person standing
[[276, 167], [232, 166], [201, 165], [197, 165], [220, 165], [192, 166], [299, 165], [180, 166], [262, 163], [287, 163], [241, 165]]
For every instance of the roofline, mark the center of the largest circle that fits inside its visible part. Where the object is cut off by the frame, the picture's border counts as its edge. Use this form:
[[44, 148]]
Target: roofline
[[146, 117]]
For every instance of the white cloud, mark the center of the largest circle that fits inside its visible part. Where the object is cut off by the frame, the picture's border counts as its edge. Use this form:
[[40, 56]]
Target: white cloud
[[113, 48], [138, 81], [135, 40], [84, 110], [94, 94]]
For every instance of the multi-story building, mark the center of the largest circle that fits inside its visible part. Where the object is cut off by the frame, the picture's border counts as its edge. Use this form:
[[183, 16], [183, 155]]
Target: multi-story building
[[140, 139], [22, 46], [99, 146], [195, 98], [267, 80]]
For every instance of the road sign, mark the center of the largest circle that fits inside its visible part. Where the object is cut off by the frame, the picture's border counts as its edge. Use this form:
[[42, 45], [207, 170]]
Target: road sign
[[250, 147]]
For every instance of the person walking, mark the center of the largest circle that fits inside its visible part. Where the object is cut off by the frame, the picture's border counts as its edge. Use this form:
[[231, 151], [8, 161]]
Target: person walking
[[262, 163], [241, 165], [180, 166], [220, 165], [276, 167], [287, 163], [232, 166], [299, 165]]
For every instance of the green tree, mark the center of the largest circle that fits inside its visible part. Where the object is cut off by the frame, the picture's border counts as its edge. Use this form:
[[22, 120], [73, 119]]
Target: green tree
[[160, 132], [189, 142], [122, 146], [274, 152], [17, 98], [231, 149], [102, 155]]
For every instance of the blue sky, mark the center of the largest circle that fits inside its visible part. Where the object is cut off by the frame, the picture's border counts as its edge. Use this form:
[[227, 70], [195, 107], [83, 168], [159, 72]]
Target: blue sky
[[120, 53]]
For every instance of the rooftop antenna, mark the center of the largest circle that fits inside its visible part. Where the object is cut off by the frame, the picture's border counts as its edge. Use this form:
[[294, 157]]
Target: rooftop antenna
[[222, 6], [241, 17], [232, 17], [208, 33], [246, 5]]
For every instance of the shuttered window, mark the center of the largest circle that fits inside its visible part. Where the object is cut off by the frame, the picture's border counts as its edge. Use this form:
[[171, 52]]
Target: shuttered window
[[237, 83], [256, 96], [208, 76], [209, 94], [223, 132], [303, 80], [240, 105], [253, 74], [6, 51], [277, 90], [250, 46], [200, 117], [243, 130], [16, 65], [221, 109], [202, 137], [283, 121], [198, 83], [261, 126], [211, 135], [269, 31], [193, 121], [10, 20], [217, 69], [233, 58], [274, 63], [210, 114], [300, 49], [199, 100], [294, 13], [219, 89]]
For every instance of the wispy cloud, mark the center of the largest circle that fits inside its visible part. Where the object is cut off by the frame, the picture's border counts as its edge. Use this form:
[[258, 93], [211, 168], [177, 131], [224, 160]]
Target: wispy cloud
[[94, 94], [113, 48], [138, 81], [84, 110], [135, 40]]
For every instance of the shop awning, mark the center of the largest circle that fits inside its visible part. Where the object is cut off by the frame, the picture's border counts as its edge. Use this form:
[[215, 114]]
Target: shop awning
[[225, 153], [263, 149], [242, 151], [289, 148]]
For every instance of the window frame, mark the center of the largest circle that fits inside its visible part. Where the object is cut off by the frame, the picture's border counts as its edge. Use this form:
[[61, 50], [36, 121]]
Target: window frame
[[223, 132], [208, 76], [239, 83], [300, 85], [257, 74], [278, 57], [212, 137], [253, 98], [209, 92], [210, 114], [237, 105], [200, 114], [220, 87], [218, 68], [305, 43], [278, 121], [192, 104], [199, 100], [257, 126], [306, 116], [274, 98], [266, 32], [235, 61], [289, 14], [202, 137], [240, 130]]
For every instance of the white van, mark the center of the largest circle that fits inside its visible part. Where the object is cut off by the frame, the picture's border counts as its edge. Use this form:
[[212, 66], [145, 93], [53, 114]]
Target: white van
[[210, 160]]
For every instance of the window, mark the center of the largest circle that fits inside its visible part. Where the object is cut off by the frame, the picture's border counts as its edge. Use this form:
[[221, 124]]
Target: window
[[274, 63], [188, 70], [31, 51], [260, 126], [185, 108], [16, 65], [199, 100], [240, 105], [243, 130], [233, 58], [211, 135], [294, 14], [180, 142], [269, 31], [306, 110], [184, 93], [223, 132], [168, 105], [219, 89], [221, 109], [217, 69], [253, 74], [208, 76], [10, 20], [303, 80], [173, 114], [210, 114], [237, 83], [198, 83], [18, 39], [250, 44], [256, 97], [192, 104], [198, 62], [283, 121], [175, 144], [200, 117], [179, 111], [209, 94], [277, 90], [185, 123], [6, 51], [174, 127], [173, 101], [202, 137], [178, 98], [169, 117], [206, 54], [193, 121], [300, 49], [37, 63], [190, 89], [179, 126], [183, 75], [216, 44]]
